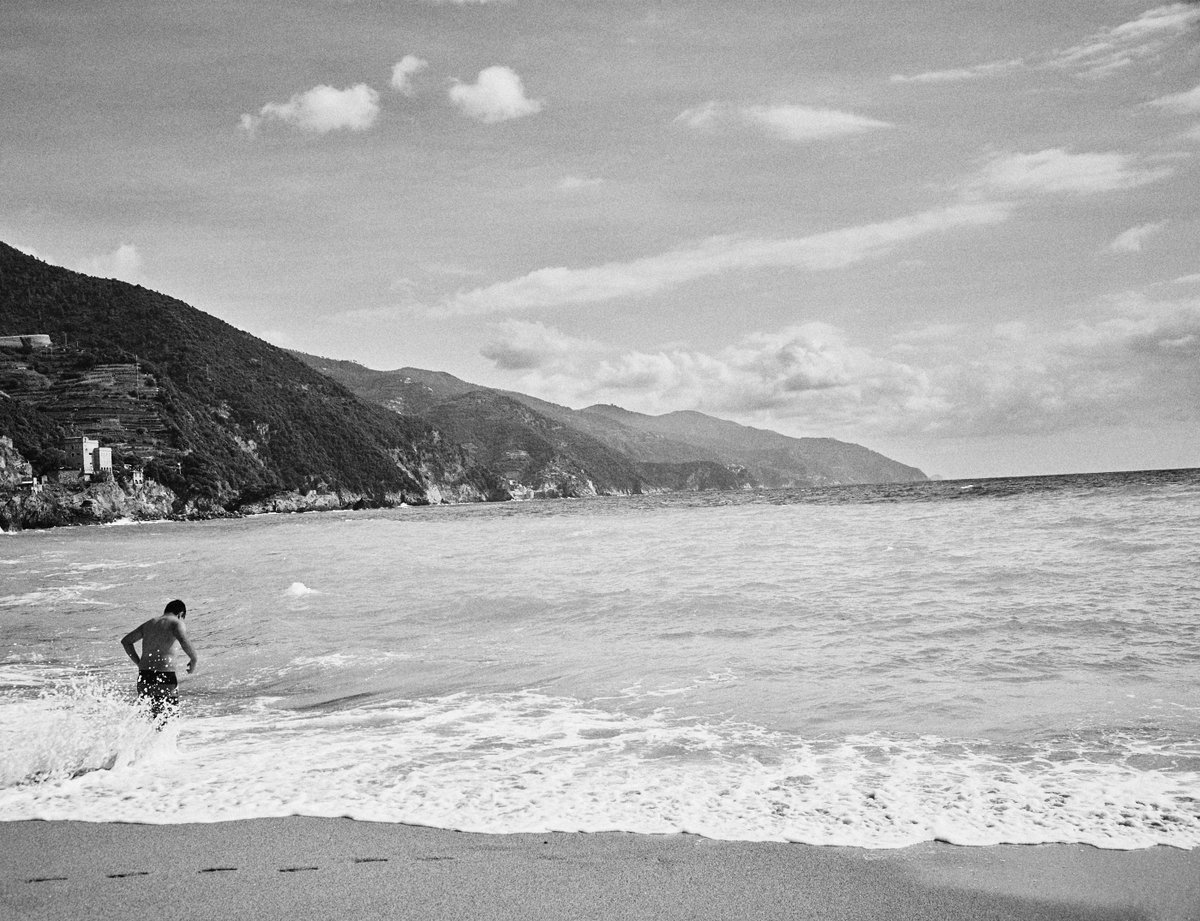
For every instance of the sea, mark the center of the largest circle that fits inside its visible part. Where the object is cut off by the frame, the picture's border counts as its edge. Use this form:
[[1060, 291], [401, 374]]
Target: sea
[[976, 662]]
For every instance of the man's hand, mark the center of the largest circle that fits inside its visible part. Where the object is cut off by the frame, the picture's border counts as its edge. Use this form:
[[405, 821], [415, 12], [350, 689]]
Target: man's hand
[[191, 666]]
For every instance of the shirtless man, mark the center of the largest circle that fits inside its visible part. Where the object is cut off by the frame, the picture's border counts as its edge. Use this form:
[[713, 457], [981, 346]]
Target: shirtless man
[[156, 668]]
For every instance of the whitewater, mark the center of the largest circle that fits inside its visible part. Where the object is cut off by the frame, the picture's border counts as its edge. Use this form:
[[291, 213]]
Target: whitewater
[[978, 662]]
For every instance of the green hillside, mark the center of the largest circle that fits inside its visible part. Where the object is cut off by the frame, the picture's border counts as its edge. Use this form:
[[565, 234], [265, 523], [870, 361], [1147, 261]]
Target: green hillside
[[216, 414], [537, 443]]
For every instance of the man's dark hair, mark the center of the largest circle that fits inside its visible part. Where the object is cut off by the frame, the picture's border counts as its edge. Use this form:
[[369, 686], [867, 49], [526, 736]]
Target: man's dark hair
[[176, 607]]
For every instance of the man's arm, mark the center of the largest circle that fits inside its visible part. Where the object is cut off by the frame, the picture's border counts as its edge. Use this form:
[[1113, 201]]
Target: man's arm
[[181, 635], [130, 638]]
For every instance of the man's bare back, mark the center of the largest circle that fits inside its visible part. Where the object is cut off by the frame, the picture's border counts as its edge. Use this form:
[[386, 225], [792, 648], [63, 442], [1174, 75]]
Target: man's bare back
[[159, 636], [156, 663]]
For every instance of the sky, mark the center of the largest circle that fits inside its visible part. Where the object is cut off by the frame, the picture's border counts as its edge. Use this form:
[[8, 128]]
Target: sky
[[963, 234]]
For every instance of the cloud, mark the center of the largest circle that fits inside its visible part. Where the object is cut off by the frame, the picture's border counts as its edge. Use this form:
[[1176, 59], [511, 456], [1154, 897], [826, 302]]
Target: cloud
[[522, 346], [1187, 103], [404, 71], [497, 95], [1131, 240], [794, 123], [959, 74], [575, 183], [1057, 170], [1135, 362], [1114, 49], [1100, 54], [125, 263], [559, 286], [321, 110]]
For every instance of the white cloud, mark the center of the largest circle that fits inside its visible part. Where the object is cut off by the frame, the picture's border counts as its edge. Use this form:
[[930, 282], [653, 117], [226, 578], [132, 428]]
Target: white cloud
[[1132, 239], [703, 116], [1187, 103], [959, 74], [802, 123], [1100, 54], [1136, 362], [125, 263], [520, 346], [497, 95], [1057, 170], [795, 123], [558, 286], [321, 110], [1139, 39], [574, 183], [403, 72]]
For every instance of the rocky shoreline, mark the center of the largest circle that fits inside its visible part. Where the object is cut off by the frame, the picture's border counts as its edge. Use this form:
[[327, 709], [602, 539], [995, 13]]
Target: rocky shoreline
[[108, 502]]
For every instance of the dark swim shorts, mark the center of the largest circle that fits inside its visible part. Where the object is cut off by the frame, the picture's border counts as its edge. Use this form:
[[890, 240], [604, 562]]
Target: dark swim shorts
[[160, 689]]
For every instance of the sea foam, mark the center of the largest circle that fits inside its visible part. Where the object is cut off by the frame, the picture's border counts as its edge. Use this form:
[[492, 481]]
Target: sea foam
[[534, 763]]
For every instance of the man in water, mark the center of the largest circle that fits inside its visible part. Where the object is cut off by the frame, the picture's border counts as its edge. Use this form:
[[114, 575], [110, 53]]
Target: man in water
[[156, 669]]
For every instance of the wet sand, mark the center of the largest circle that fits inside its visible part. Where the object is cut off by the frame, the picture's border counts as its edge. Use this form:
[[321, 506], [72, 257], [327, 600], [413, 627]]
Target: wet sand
[[324, 869]]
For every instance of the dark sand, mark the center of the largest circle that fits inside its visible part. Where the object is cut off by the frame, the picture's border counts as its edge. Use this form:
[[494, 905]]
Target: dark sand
[[333, 869]]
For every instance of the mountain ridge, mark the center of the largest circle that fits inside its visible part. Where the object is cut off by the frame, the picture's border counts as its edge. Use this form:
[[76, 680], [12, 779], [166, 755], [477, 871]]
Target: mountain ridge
[[667, 452]]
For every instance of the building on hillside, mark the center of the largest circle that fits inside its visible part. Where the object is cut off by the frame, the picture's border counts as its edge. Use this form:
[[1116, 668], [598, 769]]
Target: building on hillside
[[32, 341], [95, 458]]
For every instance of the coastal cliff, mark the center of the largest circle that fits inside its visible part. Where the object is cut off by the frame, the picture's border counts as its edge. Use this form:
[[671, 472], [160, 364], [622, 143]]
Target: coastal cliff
[[222, 422]]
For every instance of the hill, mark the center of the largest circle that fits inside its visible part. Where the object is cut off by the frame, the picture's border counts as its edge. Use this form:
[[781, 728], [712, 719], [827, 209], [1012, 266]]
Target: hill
[[226, 421], [539, 444], [772, 458]]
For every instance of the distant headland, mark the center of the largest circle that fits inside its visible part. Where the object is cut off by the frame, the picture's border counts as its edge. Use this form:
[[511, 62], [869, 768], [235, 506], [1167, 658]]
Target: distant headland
[[120, 402]]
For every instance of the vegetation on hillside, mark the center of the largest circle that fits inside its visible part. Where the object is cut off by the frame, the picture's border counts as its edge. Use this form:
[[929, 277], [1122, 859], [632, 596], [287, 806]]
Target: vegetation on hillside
[[241, 419]]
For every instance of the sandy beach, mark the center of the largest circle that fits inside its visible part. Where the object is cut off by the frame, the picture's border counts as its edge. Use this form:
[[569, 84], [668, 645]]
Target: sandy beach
[[299, 868]]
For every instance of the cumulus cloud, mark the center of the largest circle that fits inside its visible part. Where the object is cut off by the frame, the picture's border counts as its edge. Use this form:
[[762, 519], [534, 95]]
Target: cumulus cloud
[[1132, 239], [559, 286], [125, 263], [1137, 361], [404, 70], [520, 346], [1058, 170], [794, 123], [321, 110], [1188, 103], [497, 95]]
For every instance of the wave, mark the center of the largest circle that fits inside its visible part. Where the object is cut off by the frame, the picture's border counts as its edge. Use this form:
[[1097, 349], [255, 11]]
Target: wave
[[531, 762]]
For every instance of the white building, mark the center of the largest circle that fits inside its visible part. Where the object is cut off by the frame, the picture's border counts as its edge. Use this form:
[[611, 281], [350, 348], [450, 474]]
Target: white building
[[95, 458]]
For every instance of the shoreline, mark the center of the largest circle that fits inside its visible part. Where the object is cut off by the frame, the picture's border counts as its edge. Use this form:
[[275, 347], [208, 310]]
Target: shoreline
[[300, 868]]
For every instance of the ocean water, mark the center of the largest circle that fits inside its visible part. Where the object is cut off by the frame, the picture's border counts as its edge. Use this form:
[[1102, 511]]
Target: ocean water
[[974, 662]]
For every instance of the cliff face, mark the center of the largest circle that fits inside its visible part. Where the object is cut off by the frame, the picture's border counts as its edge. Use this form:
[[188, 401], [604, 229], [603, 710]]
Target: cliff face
[[98, 503], [226, 422]]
